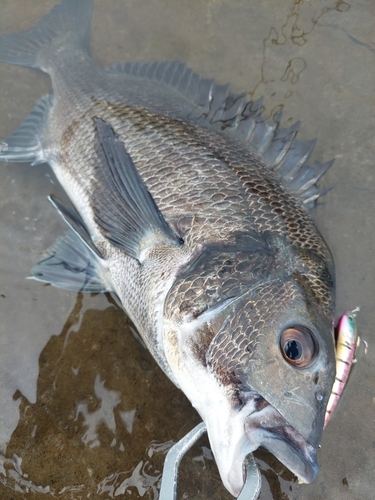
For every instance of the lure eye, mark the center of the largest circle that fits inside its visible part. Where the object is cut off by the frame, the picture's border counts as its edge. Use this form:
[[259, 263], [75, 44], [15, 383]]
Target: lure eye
[[297, 346]]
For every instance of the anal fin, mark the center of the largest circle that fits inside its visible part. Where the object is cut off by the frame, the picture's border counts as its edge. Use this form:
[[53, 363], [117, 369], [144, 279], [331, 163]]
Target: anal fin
[[72, 218], [72, 265], [24, 145], [74, 262]]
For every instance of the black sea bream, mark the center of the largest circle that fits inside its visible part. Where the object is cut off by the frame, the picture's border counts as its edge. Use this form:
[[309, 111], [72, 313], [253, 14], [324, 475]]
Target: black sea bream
[[193, 211]]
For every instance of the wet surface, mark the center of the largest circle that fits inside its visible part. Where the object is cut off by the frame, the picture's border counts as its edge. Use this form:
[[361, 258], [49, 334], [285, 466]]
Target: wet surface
[[84, 410]]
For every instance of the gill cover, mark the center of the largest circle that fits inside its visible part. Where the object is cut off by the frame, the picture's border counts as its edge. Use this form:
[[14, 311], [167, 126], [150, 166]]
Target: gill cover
[[248, 346]]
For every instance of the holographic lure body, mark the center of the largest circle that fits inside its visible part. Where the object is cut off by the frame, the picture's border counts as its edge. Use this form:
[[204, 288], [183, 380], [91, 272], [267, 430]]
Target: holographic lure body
[[347, 342]]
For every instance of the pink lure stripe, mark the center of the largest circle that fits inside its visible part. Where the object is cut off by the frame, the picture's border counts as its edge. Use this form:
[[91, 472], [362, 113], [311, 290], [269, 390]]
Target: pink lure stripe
[[347, 341]]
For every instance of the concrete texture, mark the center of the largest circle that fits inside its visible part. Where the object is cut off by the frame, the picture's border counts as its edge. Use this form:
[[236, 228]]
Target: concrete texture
[[84, 410]]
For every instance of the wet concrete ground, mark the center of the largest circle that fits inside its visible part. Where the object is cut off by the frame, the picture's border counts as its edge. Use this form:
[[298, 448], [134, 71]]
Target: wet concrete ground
[[84, 410]]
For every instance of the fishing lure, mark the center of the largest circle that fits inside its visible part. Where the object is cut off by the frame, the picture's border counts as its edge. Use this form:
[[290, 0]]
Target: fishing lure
[[347, 343]]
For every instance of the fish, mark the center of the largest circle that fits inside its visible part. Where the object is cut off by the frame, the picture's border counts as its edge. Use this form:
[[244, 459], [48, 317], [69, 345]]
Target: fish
[[347, 343], [195, 212]]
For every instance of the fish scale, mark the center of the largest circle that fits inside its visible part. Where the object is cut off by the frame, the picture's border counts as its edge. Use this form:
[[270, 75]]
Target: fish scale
[[268, 200], [200, 288], [255, 318], [194, 211]]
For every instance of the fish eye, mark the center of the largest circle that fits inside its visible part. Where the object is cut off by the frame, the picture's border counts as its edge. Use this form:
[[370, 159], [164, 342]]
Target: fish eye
[[297, 346]]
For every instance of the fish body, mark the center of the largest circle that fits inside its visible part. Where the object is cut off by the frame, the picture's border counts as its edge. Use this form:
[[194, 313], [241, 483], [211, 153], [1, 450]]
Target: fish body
[[193, 211], [346, 345]]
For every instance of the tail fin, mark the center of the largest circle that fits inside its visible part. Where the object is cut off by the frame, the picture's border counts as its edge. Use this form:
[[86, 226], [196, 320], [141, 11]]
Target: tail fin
[[66, 25]]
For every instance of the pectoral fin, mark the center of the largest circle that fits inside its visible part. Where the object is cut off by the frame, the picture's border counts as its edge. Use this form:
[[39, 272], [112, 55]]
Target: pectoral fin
[[123, 206]]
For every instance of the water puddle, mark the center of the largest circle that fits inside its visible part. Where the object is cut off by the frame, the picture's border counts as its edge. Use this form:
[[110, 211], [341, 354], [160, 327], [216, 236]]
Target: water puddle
[[85, 412]]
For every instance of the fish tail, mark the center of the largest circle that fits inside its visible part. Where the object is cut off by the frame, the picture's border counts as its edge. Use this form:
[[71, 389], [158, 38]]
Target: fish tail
[[67, 25]]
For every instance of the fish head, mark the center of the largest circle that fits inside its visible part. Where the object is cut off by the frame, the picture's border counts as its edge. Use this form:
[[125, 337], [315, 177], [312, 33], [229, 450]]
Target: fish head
[[259, 368]]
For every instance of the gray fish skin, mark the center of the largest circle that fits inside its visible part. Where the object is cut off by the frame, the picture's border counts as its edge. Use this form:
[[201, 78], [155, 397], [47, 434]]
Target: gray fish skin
[[193, 211]]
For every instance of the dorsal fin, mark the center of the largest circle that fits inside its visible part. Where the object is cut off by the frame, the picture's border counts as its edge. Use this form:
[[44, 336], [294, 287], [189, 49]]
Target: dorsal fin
[[216, 106]]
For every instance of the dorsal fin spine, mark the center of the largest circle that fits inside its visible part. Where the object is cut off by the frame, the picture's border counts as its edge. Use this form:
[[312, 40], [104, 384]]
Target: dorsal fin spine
[[214, 107]]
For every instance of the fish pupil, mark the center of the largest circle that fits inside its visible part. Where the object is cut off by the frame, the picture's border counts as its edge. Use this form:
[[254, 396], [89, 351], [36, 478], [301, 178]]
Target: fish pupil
[[293, 349]]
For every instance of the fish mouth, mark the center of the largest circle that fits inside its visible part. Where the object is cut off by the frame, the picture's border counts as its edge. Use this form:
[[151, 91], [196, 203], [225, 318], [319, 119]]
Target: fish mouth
[[235, 434], [269, 429]]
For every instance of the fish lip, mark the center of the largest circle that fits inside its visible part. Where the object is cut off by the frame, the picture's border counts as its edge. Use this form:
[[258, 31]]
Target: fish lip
[[283, 441]]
